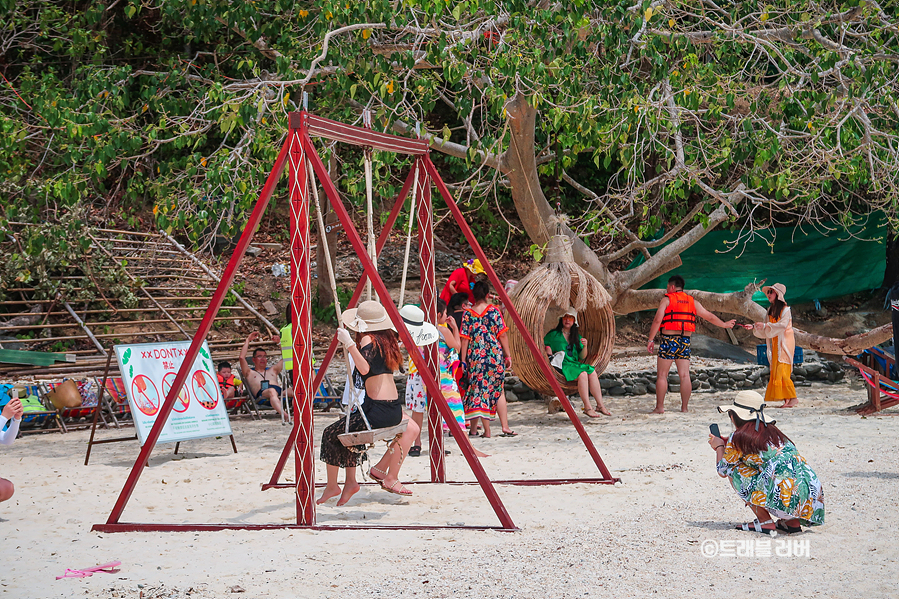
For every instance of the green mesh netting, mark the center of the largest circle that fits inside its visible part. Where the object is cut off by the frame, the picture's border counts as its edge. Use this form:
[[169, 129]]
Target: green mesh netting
[[812, 262]]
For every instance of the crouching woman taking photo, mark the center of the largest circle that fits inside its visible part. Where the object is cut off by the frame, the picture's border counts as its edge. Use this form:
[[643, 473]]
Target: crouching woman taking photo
[[766, 470]]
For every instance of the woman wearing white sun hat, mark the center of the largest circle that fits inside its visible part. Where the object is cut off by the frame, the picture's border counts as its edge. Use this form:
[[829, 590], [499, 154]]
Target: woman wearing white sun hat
[[375, 362]]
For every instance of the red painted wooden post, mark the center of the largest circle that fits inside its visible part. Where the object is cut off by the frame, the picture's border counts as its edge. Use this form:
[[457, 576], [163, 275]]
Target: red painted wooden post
[[301, 301], [429, 296], [500, 290], [214, 304]]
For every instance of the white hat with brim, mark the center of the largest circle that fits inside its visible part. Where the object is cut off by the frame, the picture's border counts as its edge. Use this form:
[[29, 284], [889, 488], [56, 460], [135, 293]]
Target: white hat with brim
[[749, 405], [422, 332], [570, 312], [369, 317], [779, 288]]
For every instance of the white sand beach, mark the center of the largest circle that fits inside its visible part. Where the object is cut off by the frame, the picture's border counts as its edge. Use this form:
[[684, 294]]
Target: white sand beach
[[641, 538]]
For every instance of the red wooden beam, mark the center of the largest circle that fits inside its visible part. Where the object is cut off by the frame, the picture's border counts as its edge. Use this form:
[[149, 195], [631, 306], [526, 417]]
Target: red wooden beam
[[532, 346], [215, 303]]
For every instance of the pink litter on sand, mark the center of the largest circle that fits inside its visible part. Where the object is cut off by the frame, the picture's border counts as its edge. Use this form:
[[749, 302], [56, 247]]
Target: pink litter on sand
[[109, 568]]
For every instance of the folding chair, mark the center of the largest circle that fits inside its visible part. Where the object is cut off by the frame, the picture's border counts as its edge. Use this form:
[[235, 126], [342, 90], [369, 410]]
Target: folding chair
[[326, 397], [242, 404], [115, 399]]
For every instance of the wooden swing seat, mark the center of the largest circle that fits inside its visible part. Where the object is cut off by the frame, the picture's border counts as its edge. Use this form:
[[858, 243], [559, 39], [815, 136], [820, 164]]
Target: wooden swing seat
[[369, 437]]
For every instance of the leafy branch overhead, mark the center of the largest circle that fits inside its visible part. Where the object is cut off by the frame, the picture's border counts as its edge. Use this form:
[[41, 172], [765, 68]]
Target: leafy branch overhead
[[636, 116]]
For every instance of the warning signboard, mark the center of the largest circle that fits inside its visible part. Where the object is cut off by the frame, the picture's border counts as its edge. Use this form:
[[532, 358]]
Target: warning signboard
[[148, 371]]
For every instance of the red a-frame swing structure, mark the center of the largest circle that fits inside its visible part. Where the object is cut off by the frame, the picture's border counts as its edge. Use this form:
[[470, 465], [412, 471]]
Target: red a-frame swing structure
[[306, 166]]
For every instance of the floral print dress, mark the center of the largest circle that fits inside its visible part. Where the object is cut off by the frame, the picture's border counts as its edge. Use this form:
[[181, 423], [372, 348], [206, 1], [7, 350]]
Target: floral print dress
[[486, 371], [778, 480]]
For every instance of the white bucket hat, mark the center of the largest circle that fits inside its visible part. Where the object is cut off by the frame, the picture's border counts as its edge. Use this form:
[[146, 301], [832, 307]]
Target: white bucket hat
[[422, 332], [571, 312], [749, 405]]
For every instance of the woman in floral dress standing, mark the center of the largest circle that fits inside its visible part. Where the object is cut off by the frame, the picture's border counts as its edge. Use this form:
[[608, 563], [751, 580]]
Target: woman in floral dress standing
[[485, 357]]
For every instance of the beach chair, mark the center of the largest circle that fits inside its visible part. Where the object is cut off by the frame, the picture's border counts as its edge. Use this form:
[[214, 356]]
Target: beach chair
[[326, 397], [82, 391], [241, 404], [115, 401], [38, 417], [879, 371]]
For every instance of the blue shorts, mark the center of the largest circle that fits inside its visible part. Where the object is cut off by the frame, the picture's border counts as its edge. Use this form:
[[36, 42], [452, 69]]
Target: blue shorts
[[674, 347]]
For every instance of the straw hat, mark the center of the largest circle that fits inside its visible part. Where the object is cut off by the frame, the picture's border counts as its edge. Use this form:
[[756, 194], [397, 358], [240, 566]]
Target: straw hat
[[570, 312], [474, 266], [779, 288], [369, 317], [423, 333], [749, 405]]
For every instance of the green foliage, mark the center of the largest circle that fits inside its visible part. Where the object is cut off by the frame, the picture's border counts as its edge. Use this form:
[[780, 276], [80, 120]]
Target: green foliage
[[327, 314], [182, 108]]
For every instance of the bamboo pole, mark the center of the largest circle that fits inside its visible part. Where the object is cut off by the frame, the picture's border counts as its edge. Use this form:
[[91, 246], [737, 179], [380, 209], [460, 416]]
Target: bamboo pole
[[86, 330], [217, 280]]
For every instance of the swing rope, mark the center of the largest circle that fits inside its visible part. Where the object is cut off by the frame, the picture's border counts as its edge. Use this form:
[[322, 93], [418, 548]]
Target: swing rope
[[366, 119], [332, 279], [412, 214]]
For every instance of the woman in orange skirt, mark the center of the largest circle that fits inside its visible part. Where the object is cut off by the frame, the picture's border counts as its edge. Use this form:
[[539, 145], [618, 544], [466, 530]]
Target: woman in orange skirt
[[778, 334]]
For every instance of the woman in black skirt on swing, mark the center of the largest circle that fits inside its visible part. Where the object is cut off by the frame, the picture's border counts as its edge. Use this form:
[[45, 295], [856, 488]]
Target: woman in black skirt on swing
[[376, 353]]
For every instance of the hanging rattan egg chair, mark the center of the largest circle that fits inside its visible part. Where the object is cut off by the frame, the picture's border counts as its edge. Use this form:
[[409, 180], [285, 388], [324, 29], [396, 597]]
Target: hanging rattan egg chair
[[544, 295]]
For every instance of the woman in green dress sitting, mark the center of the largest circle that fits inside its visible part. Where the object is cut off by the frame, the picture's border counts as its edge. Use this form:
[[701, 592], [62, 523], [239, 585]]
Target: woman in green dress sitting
[[565, 342]]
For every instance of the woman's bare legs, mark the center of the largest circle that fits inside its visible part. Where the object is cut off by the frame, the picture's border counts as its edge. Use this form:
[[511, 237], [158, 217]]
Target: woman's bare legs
[[596, 390], [332, 489], [583, 389], [503, 412], [350, 487], [392, 460]]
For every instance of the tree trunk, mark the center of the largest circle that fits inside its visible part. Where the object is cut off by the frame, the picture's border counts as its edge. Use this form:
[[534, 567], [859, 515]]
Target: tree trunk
[[519, 163]]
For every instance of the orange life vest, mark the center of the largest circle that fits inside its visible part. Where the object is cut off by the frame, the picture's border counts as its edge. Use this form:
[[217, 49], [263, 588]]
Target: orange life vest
[[680, 314], [225, 383]]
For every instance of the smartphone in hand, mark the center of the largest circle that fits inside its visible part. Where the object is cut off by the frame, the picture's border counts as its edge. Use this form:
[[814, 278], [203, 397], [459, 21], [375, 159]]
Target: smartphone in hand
[[713, 428]]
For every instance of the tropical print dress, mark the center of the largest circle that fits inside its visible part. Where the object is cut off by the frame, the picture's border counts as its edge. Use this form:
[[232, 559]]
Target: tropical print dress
[[572, 366], [449, 364], [486, 371], [778, 480]]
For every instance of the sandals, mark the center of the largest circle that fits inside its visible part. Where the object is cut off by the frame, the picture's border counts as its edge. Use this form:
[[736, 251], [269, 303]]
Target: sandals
[[591, 413], [415, 451], [401, 491], [756, 526], [784, 527], [377, 479]]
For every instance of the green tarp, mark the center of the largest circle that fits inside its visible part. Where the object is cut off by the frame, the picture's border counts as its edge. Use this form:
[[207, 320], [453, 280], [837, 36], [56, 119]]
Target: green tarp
[[812, 262]]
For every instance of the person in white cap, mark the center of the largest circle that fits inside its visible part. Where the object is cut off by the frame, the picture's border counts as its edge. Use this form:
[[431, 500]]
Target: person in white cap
[[423, 333], [778, 335], [766, 470]]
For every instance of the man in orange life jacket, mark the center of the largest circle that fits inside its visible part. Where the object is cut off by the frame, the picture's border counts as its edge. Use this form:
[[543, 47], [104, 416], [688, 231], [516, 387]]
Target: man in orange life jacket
[[676, 320]]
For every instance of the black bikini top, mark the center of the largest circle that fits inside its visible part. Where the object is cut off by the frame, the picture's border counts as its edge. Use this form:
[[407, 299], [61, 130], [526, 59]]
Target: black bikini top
[[376, 366]]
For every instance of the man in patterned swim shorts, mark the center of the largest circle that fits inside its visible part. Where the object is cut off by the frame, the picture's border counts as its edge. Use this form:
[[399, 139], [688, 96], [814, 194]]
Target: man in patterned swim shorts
[[676, 321]]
